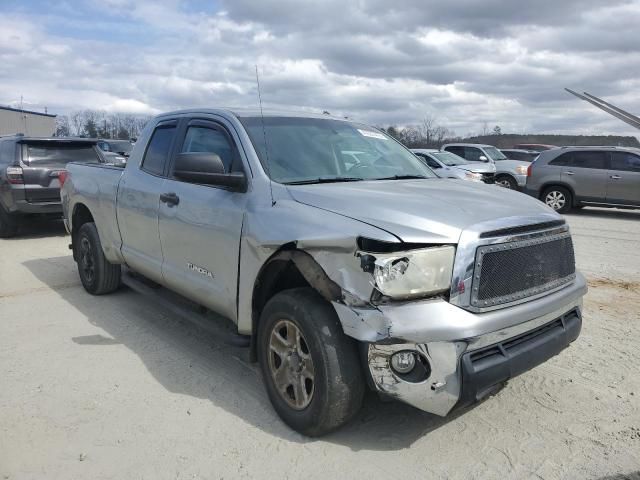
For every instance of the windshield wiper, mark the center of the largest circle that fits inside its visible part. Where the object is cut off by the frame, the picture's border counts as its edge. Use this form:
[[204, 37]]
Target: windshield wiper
[[324, 180], [401, 177]]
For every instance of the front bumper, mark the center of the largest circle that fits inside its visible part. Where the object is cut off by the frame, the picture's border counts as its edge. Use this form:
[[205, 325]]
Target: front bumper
[[470, 354], [521, 180]]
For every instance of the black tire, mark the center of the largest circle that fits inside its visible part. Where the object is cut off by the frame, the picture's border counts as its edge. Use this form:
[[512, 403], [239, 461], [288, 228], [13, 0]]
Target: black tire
[[558, 198], [506, 181], [98, 276], [8, 224], [338, 384]]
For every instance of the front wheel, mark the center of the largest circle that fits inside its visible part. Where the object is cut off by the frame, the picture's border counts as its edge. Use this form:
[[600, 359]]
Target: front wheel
[[558, 198], [506, 182], [97, 274], [310, 367]]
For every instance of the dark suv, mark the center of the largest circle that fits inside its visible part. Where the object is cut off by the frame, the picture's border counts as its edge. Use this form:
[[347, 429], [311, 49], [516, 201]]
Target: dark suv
[[570, 177], [30, 168]]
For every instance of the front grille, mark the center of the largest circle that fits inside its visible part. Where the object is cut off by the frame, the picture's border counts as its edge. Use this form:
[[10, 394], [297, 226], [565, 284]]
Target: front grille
[[509, 272], [489, 177]]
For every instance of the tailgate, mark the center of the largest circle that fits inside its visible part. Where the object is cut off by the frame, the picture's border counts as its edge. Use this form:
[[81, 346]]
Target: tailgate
[[42, 163]]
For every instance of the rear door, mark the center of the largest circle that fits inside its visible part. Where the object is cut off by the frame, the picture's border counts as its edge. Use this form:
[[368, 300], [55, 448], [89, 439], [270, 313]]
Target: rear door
[[42, 162], [200, 228], [623, 182], [586, 173], [139, 200]]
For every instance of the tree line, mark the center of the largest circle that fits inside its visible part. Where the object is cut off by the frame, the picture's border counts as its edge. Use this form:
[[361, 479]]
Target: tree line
[[100, 124], [429, 133]]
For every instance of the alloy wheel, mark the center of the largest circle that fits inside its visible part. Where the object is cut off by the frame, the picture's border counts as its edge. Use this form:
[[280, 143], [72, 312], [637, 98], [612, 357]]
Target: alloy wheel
[[555, 199], [86, 260], [291, 365]]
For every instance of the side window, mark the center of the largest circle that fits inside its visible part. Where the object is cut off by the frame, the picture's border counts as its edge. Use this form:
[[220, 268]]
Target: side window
[[561, 161], [158, 149], [431, 162], [588, 160], [625, 161], [209, 140], [472, 154], [457, 150]]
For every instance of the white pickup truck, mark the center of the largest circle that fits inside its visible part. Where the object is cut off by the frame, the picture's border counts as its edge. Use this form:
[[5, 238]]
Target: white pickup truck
[[343, 260]]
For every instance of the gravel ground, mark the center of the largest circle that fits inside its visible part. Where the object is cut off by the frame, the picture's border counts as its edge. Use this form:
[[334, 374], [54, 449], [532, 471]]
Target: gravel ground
[[115, 387]]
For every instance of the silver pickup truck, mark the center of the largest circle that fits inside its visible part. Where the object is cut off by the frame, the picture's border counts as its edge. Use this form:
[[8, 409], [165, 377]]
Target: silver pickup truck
[[345, 271]]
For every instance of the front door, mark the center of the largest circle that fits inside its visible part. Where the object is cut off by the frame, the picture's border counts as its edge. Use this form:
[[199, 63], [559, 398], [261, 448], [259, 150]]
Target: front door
[[200, 225], [623, 184], [138, 203]]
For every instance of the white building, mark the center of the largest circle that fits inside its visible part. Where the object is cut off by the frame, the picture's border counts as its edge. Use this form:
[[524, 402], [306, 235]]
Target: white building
[[34, 124]]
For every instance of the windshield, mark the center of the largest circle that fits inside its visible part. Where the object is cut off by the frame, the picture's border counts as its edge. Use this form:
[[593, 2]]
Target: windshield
[[449, 159], [313, 150], [494, 153]]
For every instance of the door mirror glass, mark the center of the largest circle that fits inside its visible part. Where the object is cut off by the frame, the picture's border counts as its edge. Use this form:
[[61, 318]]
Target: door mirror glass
[[483, 158]]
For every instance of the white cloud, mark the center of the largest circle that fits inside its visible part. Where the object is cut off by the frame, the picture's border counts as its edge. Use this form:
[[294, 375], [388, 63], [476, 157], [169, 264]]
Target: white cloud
[[377, 61]]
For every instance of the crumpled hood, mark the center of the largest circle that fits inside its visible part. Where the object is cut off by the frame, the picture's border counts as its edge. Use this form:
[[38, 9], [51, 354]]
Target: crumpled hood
[[423, 211]]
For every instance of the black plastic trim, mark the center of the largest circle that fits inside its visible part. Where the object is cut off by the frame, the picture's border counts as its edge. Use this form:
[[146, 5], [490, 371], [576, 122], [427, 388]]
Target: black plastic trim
[[486, 369]]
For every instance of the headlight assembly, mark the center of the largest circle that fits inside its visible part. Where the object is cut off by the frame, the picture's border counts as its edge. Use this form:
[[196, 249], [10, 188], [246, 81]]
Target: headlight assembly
[[474, 177], [521, 170], [414, 273]]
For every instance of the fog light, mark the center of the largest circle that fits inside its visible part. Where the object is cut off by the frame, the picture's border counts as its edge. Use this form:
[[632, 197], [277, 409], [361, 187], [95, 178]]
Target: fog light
[[403, 362]]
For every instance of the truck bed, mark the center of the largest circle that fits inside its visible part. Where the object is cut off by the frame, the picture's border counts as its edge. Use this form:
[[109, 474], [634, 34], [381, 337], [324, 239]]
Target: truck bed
[[96, 186]]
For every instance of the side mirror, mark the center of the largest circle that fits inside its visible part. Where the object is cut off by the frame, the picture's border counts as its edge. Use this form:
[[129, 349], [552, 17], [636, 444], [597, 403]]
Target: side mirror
[[483, 158], [207, 169]]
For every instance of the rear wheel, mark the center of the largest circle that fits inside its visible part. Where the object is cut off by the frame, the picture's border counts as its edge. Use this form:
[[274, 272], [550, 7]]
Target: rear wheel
[[97, 274], [8, 224], [506, 182], [310, 367], [558, 198]]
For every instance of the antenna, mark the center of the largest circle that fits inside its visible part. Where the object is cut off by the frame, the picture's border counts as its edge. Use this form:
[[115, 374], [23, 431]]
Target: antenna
[[264, 134]]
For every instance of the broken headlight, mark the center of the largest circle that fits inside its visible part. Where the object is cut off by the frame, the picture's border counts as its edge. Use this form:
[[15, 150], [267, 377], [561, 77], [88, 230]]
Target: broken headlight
[[414, 273]]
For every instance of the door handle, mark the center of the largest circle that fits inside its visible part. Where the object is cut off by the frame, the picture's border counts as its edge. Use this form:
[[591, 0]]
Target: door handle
[[615, 177], [170, 199], [569, 173]]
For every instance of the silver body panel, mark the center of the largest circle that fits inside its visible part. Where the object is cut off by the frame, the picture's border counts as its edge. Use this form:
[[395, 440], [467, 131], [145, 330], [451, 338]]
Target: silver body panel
[[213, 245]]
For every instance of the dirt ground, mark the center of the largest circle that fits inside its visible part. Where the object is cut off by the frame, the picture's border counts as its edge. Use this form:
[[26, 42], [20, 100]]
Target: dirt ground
[[115, 387]]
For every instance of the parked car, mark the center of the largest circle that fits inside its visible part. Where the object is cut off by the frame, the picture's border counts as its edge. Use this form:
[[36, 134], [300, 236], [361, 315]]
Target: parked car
[[30, 168], [120, 147], [570, 177], [449, 165], [338, 275], [538, 147], [518, 154], [510, 174]]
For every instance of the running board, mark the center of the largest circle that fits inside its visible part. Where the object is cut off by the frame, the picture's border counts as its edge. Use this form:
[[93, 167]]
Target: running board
[[186, 309]]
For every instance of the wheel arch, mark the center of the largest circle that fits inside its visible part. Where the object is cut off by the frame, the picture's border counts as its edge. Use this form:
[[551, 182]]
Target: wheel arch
[[288, 268]]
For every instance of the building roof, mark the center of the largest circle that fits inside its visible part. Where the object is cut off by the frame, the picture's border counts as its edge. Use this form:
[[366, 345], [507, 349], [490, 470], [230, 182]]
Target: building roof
[[30, 112]]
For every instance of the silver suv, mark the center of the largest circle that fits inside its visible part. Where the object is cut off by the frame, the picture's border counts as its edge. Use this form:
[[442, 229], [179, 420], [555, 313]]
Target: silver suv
[[570, 177], [510, 174]]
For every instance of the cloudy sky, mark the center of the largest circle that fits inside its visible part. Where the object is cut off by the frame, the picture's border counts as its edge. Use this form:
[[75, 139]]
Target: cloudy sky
[[384, 62]]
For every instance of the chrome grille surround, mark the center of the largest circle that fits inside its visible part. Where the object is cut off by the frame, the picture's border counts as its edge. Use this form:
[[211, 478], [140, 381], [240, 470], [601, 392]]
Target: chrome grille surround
[[541, 226], [532, 281]]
